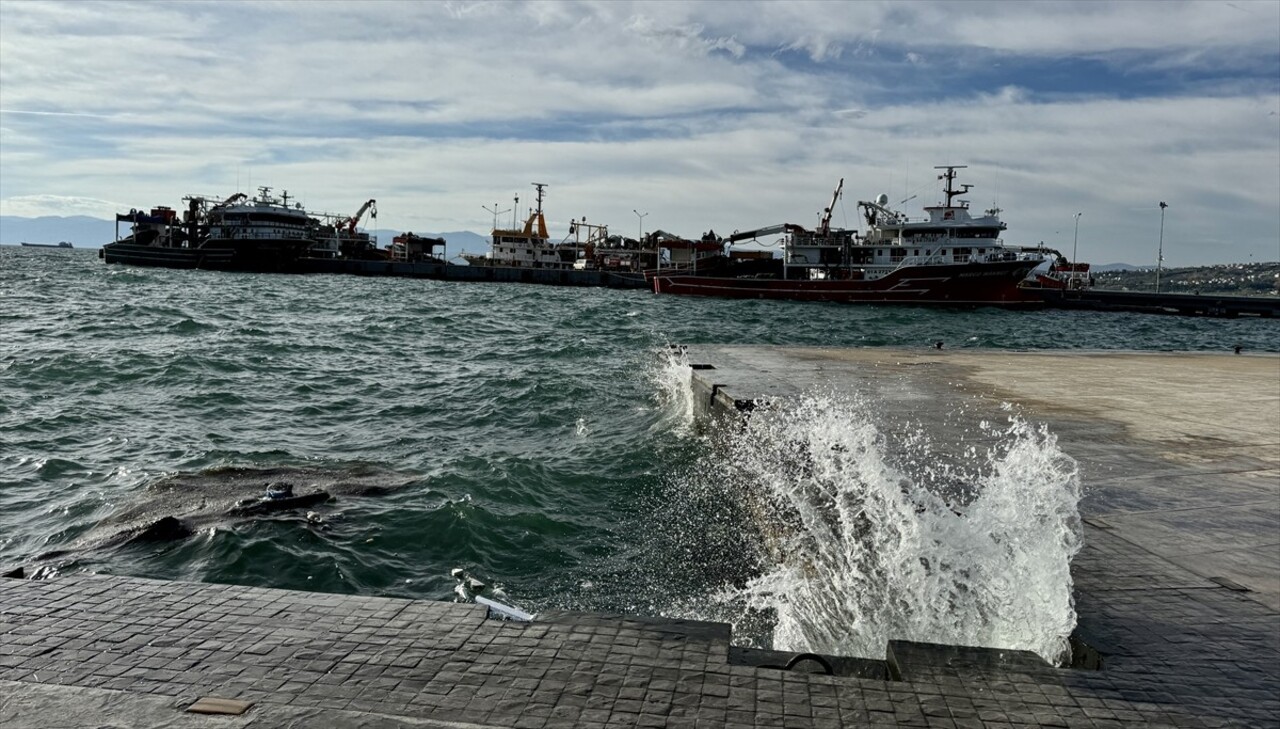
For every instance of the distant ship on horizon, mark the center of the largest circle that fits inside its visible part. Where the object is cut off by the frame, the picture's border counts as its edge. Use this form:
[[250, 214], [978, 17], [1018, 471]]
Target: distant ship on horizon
[[60, 244]]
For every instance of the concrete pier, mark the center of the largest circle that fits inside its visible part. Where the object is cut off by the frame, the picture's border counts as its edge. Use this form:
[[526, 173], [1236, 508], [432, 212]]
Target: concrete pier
[[1146, 302], [494, 274], [1177, 587]]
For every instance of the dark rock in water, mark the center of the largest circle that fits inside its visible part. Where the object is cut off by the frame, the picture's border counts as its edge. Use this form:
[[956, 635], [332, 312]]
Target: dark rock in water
[[279, 490], [164, 529], [177, 506], [268, 505]]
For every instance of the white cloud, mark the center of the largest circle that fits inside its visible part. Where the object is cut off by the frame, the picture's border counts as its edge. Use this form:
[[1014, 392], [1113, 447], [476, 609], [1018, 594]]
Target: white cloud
[[35, 206], [819, 48], [684, 110]]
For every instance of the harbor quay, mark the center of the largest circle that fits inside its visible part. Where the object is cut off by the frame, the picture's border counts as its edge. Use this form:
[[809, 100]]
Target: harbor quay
[[1177, 591], [1177, 586]]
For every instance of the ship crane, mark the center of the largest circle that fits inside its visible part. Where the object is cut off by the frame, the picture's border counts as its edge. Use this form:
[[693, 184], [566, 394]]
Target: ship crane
[[770, 230], [824, 228], [354, 220]]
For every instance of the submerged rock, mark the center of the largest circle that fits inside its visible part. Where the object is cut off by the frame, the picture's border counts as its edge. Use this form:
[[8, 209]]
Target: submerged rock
[[177, 506]]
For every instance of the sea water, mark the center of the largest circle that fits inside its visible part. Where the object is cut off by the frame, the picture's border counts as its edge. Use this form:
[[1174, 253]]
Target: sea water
[[540, 439]]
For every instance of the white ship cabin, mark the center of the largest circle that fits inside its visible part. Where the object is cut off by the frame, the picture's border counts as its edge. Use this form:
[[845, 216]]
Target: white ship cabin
[[330, 241], [689, 254], [950, 235], [527, 248], [263, 218]]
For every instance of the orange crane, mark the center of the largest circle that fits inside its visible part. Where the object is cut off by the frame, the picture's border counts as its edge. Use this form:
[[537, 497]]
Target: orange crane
[[351, 222]]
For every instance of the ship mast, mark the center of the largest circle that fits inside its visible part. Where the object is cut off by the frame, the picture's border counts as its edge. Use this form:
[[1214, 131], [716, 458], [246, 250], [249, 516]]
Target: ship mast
[[537, 215], [950, 177], [538, 186]]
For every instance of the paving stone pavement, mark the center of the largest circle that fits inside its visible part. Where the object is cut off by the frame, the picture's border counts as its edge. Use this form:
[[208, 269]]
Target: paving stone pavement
[[1183, 640], [1199, 655]]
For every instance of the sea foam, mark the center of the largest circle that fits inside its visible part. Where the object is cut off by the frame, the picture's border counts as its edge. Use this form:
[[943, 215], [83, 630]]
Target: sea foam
[[867, 532]]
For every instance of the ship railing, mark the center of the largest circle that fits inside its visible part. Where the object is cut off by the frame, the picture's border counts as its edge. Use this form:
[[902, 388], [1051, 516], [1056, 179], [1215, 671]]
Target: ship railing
[[930, 260], [1000, 255], [240, 234]]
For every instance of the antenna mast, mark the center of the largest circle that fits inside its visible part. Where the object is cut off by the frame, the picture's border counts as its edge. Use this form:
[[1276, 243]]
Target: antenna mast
[[539, 186], [950, 177]]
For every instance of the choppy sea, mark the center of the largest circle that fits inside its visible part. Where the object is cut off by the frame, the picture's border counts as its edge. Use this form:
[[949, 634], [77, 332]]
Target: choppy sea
[[538, 438]]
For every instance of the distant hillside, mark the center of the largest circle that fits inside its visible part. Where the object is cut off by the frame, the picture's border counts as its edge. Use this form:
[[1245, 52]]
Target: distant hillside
[[1245, 279], [82, 231], [86, 232]]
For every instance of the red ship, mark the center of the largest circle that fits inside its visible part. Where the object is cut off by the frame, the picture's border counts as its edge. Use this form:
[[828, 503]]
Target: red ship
[[948, 258]]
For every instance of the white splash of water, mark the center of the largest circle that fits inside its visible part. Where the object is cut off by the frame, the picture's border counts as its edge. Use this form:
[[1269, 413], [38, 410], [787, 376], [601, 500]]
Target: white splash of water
[[672, 379], [868, 538]]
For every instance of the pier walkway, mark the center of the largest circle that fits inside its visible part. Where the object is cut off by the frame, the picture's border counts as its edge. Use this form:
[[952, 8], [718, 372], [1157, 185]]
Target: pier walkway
[[1177, 587]]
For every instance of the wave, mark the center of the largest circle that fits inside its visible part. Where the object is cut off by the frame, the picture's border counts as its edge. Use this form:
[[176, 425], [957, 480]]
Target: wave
[[866, 534]]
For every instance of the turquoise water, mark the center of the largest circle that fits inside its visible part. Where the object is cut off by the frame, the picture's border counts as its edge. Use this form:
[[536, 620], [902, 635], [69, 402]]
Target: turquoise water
[[528, 428]]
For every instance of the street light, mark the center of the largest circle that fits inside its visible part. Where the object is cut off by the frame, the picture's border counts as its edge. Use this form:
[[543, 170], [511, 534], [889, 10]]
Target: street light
[[1160, 253], [641, 217], [640, 238], [1075, 260], [496, 212]]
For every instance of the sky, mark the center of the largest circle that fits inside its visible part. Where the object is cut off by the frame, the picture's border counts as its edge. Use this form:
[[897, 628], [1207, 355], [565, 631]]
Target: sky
[[683, 116]]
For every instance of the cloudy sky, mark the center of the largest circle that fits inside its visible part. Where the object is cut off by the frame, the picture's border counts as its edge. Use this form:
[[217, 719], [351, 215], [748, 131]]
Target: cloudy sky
[[721, 115]]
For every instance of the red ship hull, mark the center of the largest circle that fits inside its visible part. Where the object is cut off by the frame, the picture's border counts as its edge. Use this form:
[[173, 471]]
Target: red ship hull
[[965, 284]]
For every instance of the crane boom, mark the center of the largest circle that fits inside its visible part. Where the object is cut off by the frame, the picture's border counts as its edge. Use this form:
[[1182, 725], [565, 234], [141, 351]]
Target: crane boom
[[770, 230], [824, 229], [354, 220]]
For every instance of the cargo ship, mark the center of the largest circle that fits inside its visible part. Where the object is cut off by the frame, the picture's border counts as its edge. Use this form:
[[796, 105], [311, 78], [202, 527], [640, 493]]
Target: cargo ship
[[263, 233], [948, 258], [587, 247], [587, 256]]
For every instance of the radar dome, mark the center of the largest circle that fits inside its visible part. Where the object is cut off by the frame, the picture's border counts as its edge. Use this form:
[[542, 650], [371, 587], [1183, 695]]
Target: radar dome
[[882, 199]]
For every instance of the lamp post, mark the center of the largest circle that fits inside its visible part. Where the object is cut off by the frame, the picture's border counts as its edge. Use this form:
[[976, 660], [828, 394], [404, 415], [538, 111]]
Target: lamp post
[[640, 238], [496, 212], [1160, 252], [1075, 260]]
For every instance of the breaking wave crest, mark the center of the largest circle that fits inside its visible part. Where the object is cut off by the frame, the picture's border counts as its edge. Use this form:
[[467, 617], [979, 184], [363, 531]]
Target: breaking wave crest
[[866, 533], [671, 376]]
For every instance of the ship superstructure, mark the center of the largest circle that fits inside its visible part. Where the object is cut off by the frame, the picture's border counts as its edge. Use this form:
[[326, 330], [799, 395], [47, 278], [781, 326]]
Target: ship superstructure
[[949, 257]]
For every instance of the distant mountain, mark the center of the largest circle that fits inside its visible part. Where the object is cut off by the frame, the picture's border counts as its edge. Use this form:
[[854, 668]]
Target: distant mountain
[[82, 231], [1108, 267]]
